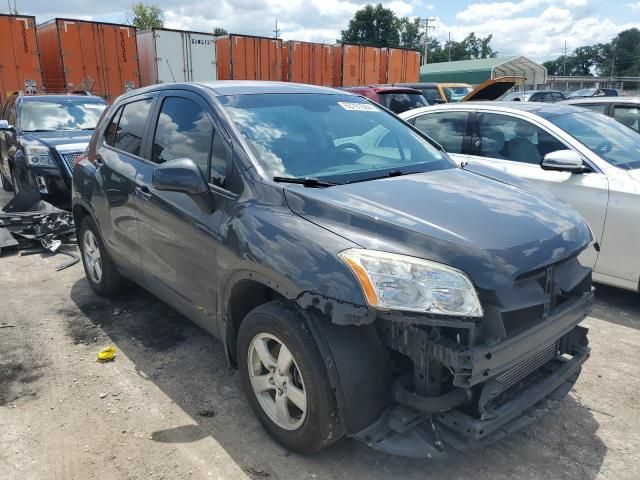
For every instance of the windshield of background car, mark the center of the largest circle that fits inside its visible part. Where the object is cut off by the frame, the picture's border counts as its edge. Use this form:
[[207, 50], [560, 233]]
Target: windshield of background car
[[585, 92], [612, 141], [47, 115], [401, 102], [334, 138], [455, 94]]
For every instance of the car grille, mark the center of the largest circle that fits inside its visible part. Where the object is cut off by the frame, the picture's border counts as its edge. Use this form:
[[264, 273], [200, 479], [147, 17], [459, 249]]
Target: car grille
[[520, 371], [68, 159], [539, 294]]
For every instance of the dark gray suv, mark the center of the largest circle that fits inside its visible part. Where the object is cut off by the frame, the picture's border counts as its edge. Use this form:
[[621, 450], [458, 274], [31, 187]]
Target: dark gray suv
[[361, 281]]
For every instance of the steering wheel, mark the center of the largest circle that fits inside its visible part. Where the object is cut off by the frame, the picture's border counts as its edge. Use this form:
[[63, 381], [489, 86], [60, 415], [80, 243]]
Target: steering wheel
[[604, 147], [349, 146]]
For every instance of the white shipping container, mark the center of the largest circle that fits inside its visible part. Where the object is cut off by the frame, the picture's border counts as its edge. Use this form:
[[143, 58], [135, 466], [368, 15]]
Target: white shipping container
[[175, 56]]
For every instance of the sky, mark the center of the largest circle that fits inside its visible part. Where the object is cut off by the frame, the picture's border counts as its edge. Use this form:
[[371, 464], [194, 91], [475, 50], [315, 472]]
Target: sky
[[535, 28]]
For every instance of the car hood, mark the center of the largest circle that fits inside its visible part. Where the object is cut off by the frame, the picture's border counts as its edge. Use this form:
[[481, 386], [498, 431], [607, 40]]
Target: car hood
[[491, 230], [59, 138]]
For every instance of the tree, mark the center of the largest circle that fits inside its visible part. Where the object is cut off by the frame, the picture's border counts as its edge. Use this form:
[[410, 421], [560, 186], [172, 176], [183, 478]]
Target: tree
[[374, 26], [411, 34], [219, 31], [470, 47], [142, 15]]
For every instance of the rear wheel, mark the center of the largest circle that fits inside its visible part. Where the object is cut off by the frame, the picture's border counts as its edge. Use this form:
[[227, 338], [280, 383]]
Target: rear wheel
[[100, 270], [285, 379]]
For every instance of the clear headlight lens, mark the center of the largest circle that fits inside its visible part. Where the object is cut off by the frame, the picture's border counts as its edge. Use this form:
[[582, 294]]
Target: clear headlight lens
[[39, 156], [398, 282]]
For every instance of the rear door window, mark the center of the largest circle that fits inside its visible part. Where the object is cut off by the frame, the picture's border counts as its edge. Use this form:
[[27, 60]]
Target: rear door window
[[446, 128], [627, 115], [511, 138], [128, 135], [401, 102], [184, 130], [431, 94], [594, 107]]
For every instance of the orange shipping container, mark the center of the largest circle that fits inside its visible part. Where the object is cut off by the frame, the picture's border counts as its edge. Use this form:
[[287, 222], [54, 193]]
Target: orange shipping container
[[79, 55], [19, 61], [244, 57], [360, 65], [399, 66], [310, 63]]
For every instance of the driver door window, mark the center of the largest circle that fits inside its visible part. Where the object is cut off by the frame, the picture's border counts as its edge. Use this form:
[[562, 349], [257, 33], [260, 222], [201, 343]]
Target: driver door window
[[509, 138]]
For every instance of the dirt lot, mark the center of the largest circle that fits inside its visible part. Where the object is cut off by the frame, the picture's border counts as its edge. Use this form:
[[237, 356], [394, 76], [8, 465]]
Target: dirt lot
[[169, 407]]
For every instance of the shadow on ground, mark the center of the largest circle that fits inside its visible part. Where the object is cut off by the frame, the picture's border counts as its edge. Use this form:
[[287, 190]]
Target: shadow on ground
[[190, 367], [618, 306]]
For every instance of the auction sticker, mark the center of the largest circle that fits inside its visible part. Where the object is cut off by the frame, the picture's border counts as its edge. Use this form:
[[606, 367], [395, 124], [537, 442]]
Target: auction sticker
[[358, 107]]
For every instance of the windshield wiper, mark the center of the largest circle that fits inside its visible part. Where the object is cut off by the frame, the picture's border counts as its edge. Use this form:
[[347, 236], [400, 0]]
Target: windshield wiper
[[307, 182], [39, 130], [392, 173]]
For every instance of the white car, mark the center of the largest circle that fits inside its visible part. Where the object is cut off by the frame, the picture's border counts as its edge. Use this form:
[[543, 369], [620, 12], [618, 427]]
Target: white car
[[586, 159]]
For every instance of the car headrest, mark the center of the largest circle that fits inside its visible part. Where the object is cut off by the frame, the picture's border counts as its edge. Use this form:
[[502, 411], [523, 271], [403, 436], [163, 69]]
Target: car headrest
[[525, 129]]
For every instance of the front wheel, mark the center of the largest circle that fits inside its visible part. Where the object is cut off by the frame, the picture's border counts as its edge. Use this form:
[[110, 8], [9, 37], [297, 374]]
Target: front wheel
[[285, 379], [100, 270]]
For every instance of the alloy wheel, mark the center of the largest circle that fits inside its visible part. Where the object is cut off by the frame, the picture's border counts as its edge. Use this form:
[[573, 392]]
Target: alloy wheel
[[276, 381], [92, 258]]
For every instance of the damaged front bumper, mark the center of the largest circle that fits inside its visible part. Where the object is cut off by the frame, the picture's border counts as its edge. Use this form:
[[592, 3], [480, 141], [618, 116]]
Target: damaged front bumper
[[508, 385]]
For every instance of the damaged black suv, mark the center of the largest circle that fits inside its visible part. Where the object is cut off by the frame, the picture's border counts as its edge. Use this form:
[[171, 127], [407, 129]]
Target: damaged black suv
[[362, 282]]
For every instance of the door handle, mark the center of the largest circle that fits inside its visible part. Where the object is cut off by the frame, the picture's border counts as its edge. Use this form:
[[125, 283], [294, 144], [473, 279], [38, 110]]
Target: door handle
[[143, 193]]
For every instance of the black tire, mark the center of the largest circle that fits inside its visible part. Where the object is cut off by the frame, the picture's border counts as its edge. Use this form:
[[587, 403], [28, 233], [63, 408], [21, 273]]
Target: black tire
[[110, 280], [6, 184], [321, 425]]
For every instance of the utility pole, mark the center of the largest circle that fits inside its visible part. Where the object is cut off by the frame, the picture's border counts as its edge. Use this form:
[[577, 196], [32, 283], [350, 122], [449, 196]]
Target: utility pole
[[613, 62], [449, 46], [426, 37], [564, 67], [277, 30]]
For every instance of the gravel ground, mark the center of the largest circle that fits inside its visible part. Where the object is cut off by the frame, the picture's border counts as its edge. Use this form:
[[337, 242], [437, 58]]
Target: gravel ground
[[168, 406]]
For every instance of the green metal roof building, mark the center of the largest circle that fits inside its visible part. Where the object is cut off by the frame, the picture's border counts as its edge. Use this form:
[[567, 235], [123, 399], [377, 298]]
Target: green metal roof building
[[477, 71]]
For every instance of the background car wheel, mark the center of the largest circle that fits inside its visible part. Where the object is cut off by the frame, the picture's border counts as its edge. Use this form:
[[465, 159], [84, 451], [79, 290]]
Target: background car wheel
[[6, 184], [285, 380], [98, 266], [15, 184]]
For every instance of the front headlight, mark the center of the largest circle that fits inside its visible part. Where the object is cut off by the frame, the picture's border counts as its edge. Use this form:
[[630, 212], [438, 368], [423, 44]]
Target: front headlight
[[39, 157], [398, 282]]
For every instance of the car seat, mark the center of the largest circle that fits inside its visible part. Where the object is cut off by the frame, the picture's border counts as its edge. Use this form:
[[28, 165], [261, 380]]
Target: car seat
[[521, 148], [492, 143]]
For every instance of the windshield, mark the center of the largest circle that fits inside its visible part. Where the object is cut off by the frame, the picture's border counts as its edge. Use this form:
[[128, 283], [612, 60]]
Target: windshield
[[585, 92], [614, 142], [334, 138], [455, 94], [47, 115], [401, 102]]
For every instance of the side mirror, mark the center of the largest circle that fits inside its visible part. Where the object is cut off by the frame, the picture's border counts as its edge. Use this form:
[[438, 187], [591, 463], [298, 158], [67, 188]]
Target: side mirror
[[563, 161], [180, 175], [5, 127], [183, 175]]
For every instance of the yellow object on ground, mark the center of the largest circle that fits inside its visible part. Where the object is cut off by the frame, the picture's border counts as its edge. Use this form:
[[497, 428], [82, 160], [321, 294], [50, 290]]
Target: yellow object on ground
[[107, 354]]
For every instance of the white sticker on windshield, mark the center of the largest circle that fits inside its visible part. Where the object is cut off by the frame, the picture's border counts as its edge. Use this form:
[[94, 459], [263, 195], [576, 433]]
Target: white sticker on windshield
[[358, 107], [101, 106]]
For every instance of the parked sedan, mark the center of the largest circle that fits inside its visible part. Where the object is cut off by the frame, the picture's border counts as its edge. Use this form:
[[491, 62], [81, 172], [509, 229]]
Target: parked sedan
[[546, 96], [590, 161], [626, 110], [396, 99], [362, 282], [594, 92], [40, 137]]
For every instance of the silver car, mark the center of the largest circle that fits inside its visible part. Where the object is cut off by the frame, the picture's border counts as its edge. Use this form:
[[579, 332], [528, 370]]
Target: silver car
[[586, 159]]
